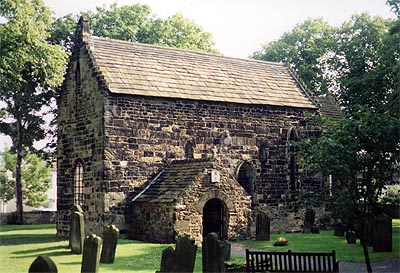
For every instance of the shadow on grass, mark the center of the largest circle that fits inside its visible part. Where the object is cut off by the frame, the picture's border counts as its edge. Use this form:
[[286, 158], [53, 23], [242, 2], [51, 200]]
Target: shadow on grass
[[31, 238], [4, 228], [57, 249]]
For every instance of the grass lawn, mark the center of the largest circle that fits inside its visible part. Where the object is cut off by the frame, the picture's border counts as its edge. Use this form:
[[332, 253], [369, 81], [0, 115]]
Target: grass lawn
[[326, 242], [20, 245]]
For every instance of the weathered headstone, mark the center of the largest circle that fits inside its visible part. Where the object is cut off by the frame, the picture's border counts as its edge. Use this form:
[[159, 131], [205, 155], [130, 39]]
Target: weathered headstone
[[180, 260], [110, 240], [382, 233], [43, 264], [315, 230], [227, 250], [309, 219], [76, 208], [351, 237], [91, 254], [339, 229], [77, 232], [213, 254], [168, 260], [262, 227]]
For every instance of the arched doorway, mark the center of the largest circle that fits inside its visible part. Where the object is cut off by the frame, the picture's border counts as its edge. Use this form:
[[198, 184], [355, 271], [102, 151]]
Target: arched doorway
[[215, 218], [246, 176]]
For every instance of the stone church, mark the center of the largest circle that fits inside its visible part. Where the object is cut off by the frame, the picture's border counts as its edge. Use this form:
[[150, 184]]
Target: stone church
[[163, 142]]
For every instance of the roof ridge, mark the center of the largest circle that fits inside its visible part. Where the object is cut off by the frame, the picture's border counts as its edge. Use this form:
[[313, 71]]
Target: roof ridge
[[199, 52]]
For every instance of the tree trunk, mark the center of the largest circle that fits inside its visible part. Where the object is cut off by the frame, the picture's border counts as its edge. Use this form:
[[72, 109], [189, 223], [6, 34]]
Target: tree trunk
[[364, 242], [18, 183]]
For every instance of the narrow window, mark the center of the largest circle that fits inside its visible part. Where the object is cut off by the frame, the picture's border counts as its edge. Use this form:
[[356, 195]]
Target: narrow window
[[293, 166], [189, 153], [78, 183]]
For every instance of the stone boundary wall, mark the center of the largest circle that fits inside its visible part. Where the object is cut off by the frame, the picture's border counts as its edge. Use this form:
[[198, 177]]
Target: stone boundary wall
[[30, 218]]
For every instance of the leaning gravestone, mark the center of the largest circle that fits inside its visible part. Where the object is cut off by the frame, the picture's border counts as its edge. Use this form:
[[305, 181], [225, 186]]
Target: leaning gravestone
[[76, 208], [180, 260], [309, 219], [43, 264], [262, 227], [382, 233], [91, 254], [77, 232], [213, 254], [110, 240]]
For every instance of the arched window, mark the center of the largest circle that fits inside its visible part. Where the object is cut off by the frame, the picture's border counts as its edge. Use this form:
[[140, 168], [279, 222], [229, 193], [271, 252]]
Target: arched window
[[246, 177], [189, 150], [78, 183], [293, 159]]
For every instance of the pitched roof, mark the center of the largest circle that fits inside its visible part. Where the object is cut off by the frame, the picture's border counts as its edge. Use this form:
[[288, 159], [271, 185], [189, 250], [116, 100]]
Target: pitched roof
[[173, 180], [149, 70], [329, 107]]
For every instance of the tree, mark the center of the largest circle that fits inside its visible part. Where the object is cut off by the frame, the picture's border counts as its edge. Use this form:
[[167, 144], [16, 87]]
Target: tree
[[359, 64], [35, 178], [30, 68], [303, 49], [362, 153], [136, 24]]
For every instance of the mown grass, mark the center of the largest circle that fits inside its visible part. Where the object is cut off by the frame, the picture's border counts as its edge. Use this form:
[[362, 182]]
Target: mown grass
[[326, 242], [21, 244]]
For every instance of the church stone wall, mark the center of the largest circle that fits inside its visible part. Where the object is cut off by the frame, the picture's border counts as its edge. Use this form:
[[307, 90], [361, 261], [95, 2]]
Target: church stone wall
[[142, 134], [80, 138]]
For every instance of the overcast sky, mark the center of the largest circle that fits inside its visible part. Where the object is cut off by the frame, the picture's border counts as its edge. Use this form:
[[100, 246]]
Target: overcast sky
[[239, 27]]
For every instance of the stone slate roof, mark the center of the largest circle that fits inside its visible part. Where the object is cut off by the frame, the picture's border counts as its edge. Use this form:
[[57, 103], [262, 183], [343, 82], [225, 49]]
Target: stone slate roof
[[173, 180], [329, 107], [149, 70]]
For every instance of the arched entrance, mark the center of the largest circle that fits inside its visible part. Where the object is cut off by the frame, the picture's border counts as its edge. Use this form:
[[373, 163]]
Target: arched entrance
[[215, 218]]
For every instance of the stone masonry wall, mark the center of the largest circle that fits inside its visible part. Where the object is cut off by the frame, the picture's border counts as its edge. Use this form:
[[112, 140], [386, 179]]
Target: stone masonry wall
[[80, 137], [143, 133], [164, 222], [237, 203]]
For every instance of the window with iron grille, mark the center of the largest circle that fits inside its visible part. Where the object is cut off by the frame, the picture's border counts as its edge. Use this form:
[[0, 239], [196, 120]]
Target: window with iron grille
[[78, 183]]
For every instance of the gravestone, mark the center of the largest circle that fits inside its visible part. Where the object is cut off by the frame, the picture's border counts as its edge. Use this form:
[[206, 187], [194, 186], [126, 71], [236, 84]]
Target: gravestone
[[227, 250], [315, 230], [91, 254], [382, 234], [309, 219], [213, 254], [168, 260], [43, 264], [351, 237], [180, 260], [77, 232], [262, 227], [110, 240], [339, 229], [76, 208]]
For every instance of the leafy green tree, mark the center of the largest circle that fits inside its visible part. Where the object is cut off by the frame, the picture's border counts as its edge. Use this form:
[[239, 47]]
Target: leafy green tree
[[362, 152], [359, 64], [365, 59], [303, 49], [137, 24], [30, 68], [35, 178]]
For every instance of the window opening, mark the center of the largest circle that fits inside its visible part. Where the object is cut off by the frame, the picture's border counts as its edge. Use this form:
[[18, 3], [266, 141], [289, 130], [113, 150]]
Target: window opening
[[246, 177], [78, 184], [293, 160]]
